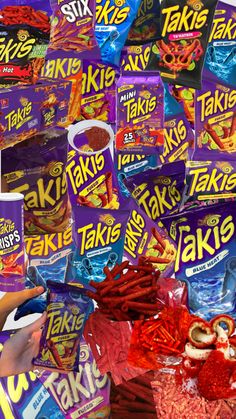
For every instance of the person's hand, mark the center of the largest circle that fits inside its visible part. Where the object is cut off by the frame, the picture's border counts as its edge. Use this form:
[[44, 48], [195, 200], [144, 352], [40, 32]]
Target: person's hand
[[20, 349], [12, 300]]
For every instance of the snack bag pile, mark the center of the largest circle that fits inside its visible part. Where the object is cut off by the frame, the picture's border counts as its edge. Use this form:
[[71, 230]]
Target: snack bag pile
[[118, 159]]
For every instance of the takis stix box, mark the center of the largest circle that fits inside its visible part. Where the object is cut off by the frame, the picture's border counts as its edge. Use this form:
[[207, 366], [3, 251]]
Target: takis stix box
[[140, 113], [215, 123], [34, 108]]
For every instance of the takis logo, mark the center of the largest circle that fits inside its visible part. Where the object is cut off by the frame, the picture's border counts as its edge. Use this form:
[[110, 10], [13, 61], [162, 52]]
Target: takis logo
[[73, 10], [17, 118], [21, 47], [110, 14]]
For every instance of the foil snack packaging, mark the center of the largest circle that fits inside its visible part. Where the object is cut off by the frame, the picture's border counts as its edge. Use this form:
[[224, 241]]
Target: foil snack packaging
[[24, 396], [113, 21], [209, 182], [158, 191], [178, 134], [67, 68], [140, 114], [46, 259], [25, 32], [205, 260], [135, 58], [185, 31], [86, 393], [72, 29], [215, 123], [220, 64], [92, 181], [36, 169], [99, 239], [68, 308], [130, 164], [98, 91], [146, 25], [12, 260], [146, 238]]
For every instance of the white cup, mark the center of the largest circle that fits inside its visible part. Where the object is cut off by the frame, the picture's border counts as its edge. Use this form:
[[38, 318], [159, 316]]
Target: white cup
[[82, 126]]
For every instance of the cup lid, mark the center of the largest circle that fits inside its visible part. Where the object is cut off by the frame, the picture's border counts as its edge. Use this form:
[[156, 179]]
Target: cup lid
[[11, 196]]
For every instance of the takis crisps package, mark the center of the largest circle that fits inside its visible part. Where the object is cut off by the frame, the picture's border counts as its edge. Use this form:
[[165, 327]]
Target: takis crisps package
[[24, 396], [185, 31], [215, 123], [83, 395], [178, 134], [72, 29], [92, 181], [158, 191], [146, 25], [205, 240], [146, 238], [113, 21], [36, 168], [67, 68], [140, 113], [46, 259], [99, 239], [220, 64], [12, 261], [98, 91], [208, 182], [130, 164], [68, 307], [25, 31], [135, 58]]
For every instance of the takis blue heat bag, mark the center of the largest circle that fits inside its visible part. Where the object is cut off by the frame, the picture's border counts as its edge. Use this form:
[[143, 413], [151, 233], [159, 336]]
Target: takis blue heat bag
[[99, 239], [206, 261], [131, 164], [113, 21]]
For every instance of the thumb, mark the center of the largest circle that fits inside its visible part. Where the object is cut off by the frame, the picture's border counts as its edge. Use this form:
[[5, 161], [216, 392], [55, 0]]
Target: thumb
[[35, 326], [12, 300]]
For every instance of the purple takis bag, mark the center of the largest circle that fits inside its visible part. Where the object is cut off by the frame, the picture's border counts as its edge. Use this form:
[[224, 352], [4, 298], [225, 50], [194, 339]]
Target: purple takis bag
[[92, 180], [68, 307], [209, 182], [140, 113], [85, 394], [146, 238], [98, 91], [135, 58], [215, 123], [158, 192], [72, 29], [36, 168]]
